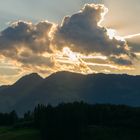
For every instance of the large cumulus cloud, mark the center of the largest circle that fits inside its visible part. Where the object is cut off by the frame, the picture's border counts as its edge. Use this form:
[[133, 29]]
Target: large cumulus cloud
[[82, 32]]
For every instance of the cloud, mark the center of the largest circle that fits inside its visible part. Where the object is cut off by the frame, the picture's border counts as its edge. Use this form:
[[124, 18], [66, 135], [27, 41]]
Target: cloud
[[134, 42], [27, 35], [83, 33], [121, 61], [39, 47], [26, 42]]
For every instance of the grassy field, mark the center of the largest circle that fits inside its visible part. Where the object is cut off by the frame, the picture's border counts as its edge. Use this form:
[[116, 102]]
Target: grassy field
[[94, 133], [19, 134]]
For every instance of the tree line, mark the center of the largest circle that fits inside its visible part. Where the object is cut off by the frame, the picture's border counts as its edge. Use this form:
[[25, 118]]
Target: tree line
[[73, 120]]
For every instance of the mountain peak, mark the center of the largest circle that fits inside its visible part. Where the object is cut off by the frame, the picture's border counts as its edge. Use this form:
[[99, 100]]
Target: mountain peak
[[30, 78], [33, 75], [63, 74]]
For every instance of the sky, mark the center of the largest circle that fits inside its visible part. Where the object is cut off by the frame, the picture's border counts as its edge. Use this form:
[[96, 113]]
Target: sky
[[76, 35]]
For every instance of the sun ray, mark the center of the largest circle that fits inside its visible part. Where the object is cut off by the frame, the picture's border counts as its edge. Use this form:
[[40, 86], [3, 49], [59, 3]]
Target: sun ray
[[131, 36]]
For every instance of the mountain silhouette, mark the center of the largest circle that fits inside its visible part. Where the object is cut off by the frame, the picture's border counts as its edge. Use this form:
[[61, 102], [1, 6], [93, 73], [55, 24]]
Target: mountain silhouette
[[59, 87]]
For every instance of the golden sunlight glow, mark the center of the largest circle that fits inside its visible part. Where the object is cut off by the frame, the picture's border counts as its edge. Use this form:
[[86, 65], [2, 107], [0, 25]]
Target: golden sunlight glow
[[92, 56], [79, 63], [111, 66], [71, 55]]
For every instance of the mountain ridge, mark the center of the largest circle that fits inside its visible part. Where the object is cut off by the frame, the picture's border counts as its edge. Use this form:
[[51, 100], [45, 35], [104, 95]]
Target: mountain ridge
[[64, 86]]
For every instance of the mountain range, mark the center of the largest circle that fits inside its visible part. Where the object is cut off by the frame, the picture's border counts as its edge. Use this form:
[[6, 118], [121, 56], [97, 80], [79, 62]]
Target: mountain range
[[59, 87]]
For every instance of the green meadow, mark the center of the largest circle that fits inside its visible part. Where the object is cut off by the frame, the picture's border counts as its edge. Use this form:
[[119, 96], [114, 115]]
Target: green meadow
[[7, 133], [96, 133]]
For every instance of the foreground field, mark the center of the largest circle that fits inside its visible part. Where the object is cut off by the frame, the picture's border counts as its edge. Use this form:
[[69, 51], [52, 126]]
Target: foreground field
[[19, 134], [94, 132]]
